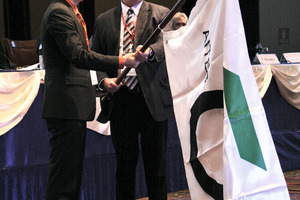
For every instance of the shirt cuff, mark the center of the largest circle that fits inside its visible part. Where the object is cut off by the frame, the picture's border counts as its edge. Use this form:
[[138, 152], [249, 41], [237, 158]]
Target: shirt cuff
[[151, 57], [121, 62], [100, 86]]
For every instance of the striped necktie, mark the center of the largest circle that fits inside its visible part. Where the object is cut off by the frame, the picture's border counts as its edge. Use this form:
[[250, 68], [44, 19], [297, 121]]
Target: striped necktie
[[129, 30]]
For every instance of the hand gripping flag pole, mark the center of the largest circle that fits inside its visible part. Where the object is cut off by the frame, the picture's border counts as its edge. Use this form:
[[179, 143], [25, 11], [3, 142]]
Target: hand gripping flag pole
[[149, 41]]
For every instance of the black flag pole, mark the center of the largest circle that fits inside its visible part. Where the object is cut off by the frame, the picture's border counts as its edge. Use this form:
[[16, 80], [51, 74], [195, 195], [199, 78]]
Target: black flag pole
[[149, 41]]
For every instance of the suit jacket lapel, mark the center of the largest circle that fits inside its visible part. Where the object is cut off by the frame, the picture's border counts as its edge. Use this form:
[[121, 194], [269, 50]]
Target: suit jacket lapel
[[116, 19], [79, 26], [143, 20]]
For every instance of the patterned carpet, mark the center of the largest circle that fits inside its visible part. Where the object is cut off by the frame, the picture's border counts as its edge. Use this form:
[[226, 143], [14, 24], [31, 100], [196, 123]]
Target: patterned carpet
[[293, 182], [292, 179]]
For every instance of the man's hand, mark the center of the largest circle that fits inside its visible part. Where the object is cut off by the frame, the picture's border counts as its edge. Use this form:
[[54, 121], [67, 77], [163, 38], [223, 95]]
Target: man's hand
[[110, 85], [130, 60], [142, 56]]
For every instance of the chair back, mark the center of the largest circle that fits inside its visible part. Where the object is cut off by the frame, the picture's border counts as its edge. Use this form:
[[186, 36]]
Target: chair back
[[21, 52]]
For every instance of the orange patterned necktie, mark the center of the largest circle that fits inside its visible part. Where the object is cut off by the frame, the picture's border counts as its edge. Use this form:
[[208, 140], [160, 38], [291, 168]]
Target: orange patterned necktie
[[92, 72], [80, 18]]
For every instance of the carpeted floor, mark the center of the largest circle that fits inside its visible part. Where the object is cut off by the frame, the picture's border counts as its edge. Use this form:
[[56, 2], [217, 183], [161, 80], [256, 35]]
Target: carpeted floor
[[293, 182], [292, 179]]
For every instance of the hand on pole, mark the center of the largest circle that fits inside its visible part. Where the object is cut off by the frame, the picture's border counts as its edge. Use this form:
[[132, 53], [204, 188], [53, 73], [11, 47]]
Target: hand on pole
[[142, 56], [130, 60], [110, 85]]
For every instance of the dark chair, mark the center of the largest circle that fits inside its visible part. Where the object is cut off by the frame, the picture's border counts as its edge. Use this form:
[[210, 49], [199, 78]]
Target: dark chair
[[21, 52], [4, 60]]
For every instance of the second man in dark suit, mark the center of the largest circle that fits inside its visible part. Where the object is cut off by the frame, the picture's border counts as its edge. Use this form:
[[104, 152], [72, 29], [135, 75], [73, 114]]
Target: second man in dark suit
[[140, 110]]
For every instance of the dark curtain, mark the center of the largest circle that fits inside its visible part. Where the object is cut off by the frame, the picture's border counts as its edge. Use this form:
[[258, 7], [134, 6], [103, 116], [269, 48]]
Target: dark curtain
[[250, 15], [16, 19], [188, 6], [87, 10]]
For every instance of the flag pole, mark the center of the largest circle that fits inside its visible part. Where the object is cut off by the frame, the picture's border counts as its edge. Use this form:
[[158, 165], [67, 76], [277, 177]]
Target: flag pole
[[149, 41]]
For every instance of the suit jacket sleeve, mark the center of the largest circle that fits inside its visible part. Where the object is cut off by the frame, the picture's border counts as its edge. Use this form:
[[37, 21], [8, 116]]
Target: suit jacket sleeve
[[157, 46], [64, 28], [105, 39]]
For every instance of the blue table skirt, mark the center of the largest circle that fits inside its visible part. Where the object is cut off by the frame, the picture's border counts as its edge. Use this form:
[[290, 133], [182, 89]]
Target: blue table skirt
[[284, 123], [24, 155], [24, 152]]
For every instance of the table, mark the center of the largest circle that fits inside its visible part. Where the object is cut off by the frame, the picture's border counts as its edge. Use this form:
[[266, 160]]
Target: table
[[24, 155], [24, 151], [279, 87]]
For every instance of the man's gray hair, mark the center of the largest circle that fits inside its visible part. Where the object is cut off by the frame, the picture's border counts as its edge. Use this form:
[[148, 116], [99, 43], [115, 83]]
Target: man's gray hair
[[179, 15]]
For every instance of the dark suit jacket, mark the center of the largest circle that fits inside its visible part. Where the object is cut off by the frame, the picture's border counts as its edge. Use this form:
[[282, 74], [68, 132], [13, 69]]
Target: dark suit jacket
[[153, 78], [68, 92]]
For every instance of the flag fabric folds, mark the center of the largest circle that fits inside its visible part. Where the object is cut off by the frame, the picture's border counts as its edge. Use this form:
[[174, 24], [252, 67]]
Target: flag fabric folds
[[226, 142]]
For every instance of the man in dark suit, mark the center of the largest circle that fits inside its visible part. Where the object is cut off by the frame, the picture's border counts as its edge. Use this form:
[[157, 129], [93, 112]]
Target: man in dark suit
[[142, 110], [69, 93]]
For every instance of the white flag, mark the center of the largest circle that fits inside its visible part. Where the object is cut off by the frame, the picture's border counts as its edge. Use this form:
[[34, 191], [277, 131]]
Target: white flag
[[226, 142]]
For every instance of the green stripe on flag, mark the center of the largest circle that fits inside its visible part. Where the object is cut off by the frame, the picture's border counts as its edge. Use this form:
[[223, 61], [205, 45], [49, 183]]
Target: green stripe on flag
[[241, 121]]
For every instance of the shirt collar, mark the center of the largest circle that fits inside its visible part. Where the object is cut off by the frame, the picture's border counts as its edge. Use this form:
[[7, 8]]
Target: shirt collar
[[135, 8]]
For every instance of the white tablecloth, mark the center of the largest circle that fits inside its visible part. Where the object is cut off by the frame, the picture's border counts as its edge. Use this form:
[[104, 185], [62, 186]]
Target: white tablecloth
[[19, 89], [287, 77]]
